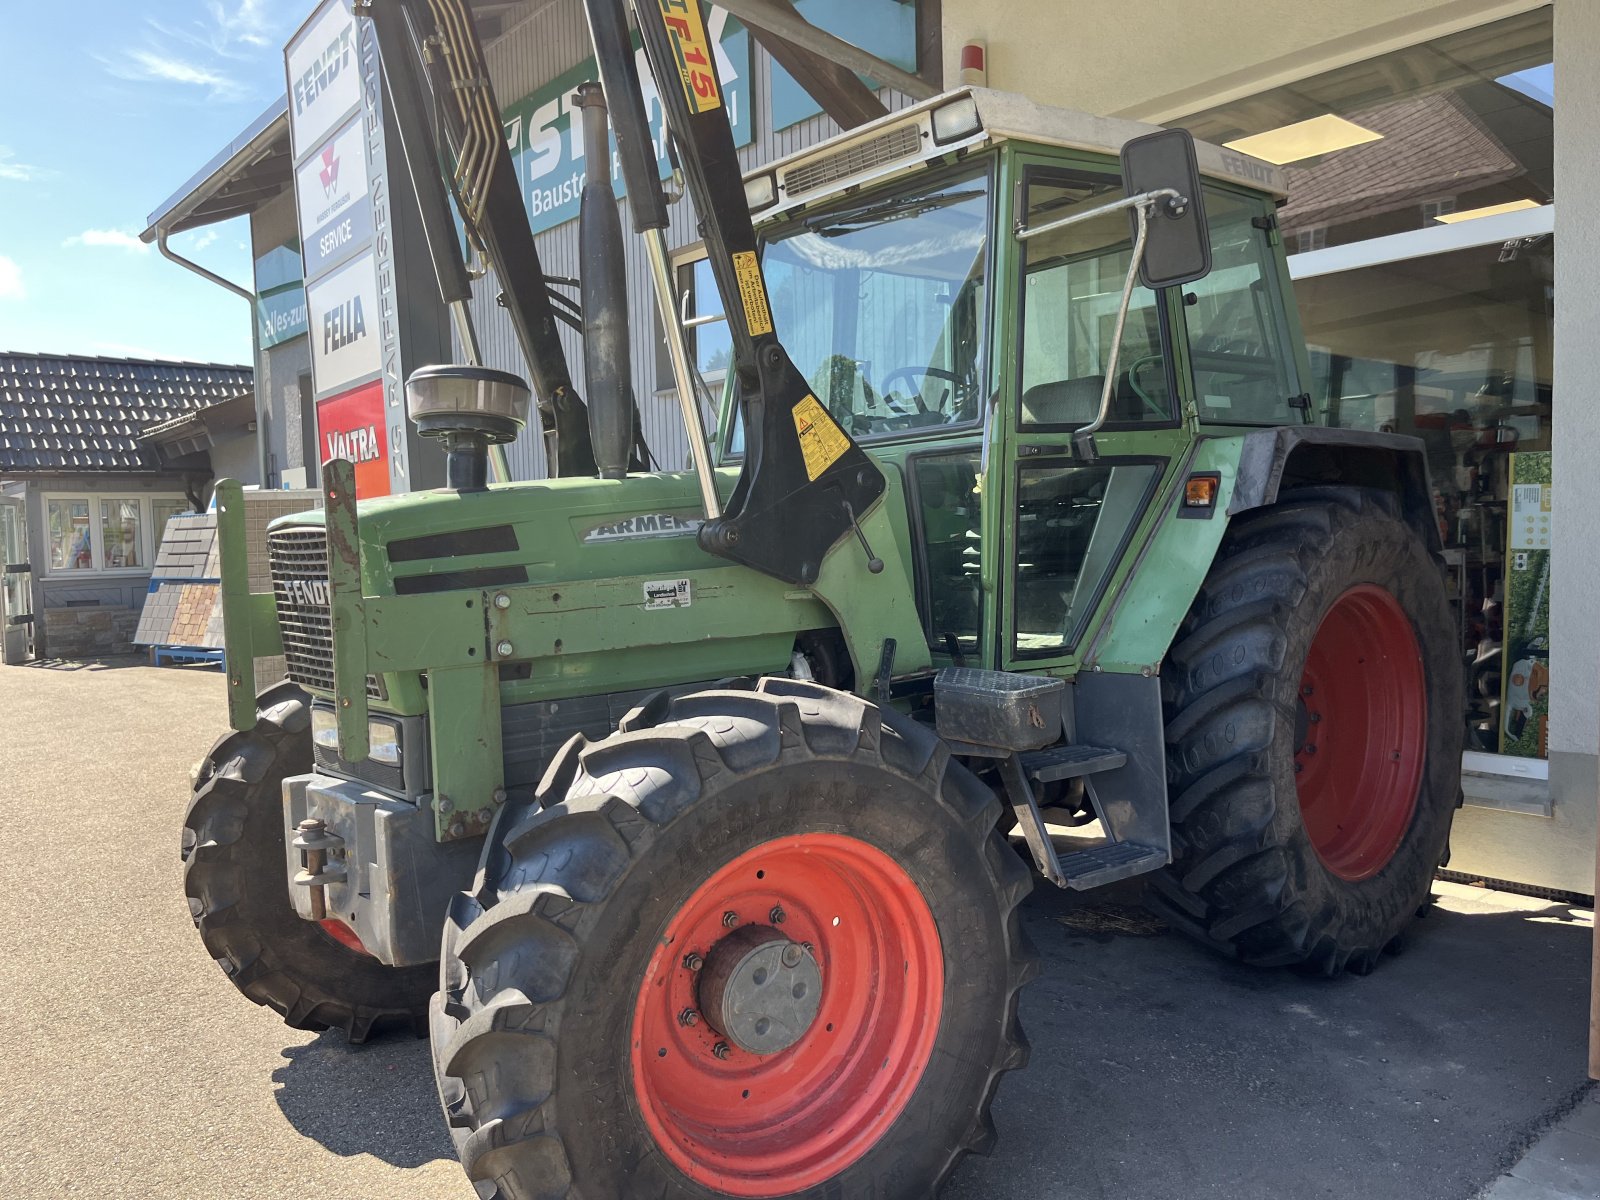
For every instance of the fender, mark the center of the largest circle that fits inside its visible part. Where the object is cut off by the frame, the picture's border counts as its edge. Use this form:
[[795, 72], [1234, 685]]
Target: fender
[[1275, 461]]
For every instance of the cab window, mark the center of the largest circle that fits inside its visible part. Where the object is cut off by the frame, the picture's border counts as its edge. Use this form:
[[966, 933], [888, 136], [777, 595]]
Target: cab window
[[1072, 288], [882, 306]]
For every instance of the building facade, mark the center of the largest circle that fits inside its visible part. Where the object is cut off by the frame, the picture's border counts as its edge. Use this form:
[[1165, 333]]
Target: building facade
[[1424, 141]]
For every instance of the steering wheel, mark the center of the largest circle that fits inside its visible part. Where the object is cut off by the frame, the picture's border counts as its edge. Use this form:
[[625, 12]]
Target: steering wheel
[[1151, 404], [911, 374]]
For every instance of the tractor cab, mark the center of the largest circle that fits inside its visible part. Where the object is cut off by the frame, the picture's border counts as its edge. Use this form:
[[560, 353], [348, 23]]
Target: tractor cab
[[959, 309]]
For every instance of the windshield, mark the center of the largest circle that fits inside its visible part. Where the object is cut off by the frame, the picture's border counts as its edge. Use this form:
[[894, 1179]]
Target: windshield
[[881, 307]]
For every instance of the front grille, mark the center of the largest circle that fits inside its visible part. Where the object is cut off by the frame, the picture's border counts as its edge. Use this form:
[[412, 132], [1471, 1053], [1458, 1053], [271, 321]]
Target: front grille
[[300, 556], [889, 146]]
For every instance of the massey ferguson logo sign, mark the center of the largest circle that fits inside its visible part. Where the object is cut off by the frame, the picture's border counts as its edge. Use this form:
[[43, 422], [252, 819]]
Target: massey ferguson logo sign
[[308, 593], [330, 169], [333, 189]]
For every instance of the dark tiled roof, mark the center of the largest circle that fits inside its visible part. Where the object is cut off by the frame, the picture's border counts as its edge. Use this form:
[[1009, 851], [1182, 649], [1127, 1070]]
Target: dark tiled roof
[[70, 413]]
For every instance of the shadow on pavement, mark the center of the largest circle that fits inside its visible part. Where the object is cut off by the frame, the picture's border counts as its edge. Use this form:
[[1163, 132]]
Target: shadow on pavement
[[1164, 1071], [110, 663], [375, 1099]]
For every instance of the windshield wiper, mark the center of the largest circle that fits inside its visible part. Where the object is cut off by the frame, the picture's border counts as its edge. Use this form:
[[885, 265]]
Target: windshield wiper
[[898, 209]]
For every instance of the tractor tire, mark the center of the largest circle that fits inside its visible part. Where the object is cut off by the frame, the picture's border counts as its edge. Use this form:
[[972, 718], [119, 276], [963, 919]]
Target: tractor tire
[[573, 1035], [1314, 735], [235, 878]]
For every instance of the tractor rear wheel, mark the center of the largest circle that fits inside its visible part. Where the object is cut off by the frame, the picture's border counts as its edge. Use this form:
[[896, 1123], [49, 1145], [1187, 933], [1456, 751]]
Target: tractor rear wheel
[[765, 946], [235, 875], [1314, 736]]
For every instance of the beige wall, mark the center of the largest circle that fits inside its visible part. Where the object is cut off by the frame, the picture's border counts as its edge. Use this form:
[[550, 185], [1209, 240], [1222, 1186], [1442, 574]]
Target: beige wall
[[1156, 59]]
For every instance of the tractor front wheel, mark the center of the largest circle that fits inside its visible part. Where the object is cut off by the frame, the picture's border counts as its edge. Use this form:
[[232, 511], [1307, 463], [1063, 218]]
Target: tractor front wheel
[[235, 876], [765, 947], [1314, 735]]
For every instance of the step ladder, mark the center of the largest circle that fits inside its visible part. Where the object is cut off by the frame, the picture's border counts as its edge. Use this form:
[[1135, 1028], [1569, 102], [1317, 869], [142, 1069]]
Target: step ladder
[[1136, 825]]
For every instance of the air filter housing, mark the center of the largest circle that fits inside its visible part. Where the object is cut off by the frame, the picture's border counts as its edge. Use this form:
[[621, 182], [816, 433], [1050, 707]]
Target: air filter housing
[[468, 409]]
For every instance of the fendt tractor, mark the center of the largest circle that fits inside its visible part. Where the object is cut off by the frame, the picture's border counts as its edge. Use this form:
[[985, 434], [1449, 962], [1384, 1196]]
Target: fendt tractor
[[689, 812]]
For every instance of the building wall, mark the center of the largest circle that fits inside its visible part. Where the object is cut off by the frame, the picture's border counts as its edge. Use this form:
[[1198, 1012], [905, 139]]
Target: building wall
[[530, 55], [95, 613], [290, 426], [1120, 59]]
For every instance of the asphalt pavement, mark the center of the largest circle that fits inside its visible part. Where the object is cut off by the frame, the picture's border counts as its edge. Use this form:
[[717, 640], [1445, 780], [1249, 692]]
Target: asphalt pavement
[[129, 1067]]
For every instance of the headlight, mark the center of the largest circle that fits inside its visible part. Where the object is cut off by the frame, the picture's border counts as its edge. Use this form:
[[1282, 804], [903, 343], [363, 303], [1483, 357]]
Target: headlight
[[958, 119], [761, 192], [383, 742], [325, 728], [383, 737]]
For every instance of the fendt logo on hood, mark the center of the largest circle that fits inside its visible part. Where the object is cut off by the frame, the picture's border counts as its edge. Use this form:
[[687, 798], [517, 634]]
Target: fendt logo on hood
[[308, 593]]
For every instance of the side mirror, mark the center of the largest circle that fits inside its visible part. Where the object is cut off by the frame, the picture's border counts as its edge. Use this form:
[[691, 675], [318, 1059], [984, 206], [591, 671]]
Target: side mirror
[[1178, 241]]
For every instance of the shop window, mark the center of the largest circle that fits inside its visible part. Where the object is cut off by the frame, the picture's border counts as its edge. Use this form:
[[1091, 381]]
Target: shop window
[[121, 535], [71, 541], [1416, 326], [111, 533]]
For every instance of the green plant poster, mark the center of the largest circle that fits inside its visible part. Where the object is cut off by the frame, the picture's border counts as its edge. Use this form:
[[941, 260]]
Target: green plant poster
[[1525, 699]]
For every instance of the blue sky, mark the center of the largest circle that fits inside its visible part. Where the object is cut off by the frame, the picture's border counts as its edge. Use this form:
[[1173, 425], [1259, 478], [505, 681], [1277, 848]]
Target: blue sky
[[105, 111]]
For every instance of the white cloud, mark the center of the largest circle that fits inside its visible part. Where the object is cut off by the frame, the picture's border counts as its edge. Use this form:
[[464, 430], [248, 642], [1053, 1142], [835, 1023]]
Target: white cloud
[[107, 237], [17, 172], [204, 240], [11, 280], [203, 53]]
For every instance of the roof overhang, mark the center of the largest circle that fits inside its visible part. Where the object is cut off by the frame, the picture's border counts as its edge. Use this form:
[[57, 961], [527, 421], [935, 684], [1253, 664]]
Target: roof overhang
[[252, 169], [197, 431]]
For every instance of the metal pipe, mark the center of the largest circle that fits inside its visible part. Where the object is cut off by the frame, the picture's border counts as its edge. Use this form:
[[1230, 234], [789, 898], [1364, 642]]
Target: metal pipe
[[1108, 389], [655, 243], [608, 367], [792, 27], [169, 253]]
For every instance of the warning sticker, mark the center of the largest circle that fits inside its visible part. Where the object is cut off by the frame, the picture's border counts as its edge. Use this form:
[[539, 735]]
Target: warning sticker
[[693, 49], [668, 593], [752, 293], [821, 440]]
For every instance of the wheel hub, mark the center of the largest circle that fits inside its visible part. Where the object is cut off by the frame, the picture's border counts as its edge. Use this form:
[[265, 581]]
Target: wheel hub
[[760, 990]]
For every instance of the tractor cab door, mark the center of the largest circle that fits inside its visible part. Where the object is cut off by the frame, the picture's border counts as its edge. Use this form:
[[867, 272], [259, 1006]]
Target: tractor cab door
[[1070, 521], [16, 592]]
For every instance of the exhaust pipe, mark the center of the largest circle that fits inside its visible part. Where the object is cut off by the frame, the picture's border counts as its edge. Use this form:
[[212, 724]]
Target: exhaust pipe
[[607, 363]]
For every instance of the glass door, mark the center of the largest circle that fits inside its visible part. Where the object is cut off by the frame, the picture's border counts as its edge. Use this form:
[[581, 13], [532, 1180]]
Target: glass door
[[16, 604]]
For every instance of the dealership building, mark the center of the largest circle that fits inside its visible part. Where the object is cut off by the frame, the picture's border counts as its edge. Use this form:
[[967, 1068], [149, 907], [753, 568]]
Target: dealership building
[[1423, 142]]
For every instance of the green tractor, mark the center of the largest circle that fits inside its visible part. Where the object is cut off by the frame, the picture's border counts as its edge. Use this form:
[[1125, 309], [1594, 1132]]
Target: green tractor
[[676, 806]]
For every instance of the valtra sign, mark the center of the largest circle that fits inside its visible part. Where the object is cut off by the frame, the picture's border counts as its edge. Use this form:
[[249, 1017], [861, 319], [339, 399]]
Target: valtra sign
[[350, 426]]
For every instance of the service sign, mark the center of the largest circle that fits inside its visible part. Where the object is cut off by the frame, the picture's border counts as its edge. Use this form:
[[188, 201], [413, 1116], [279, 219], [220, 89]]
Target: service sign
[[350, 426], [324, 76], [332, 189], [545, 133], [343, 315]]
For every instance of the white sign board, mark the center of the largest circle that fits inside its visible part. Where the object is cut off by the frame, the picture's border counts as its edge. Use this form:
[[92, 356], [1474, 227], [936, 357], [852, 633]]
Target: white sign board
[[345, 346], [331, 187], [324, 75]]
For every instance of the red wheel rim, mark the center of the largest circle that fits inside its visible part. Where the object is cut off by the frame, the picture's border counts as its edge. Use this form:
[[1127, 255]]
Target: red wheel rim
[[768, 1125], [1363, 726]]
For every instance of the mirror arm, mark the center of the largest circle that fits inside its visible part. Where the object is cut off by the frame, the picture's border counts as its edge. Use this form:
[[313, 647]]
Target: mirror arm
[[1083, 439]]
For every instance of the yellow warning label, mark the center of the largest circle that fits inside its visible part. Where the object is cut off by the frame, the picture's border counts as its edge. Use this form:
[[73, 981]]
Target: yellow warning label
[[821, 440], [752, 293], [690, 44]]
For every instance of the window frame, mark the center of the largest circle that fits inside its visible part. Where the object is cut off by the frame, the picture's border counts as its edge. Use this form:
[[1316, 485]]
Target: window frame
[[148, 544], [986, 168], [1181, 399], [1086, 623]]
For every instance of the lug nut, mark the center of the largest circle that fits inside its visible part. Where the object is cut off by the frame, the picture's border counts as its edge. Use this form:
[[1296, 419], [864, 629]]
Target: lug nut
[[776, 916], [721, 1050], [693, 962], [688, 1017], [730, 919]]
